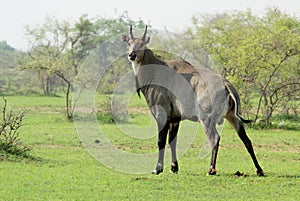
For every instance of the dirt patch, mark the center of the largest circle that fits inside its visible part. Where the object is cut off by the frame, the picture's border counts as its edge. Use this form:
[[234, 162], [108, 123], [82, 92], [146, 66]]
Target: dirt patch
[[240, 174], [139, 110]]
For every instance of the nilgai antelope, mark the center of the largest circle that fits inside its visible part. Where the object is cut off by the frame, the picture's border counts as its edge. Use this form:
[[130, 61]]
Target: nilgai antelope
[[175, 91]]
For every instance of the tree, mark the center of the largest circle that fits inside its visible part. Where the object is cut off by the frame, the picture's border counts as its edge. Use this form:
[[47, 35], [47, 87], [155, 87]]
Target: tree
[[260, 55], [56, 50], [5, 46], [10, 78]]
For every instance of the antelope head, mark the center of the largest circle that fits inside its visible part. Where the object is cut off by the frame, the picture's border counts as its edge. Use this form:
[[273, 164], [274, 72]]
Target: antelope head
[[136, 47], [136, 51]]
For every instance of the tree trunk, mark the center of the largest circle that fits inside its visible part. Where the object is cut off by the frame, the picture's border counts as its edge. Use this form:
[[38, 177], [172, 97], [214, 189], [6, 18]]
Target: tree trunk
[[69, 110], [69, 102]]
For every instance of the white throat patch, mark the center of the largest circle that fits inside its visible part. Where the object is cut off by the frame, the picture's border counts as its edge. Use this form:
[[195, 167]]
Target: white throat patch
[[135, 67]]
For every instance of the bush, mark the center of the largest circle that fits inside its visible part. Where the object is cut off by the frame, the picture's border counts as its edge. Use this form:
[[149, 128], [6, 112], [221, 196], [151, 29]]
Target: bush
[[111, 111], [10, 143]]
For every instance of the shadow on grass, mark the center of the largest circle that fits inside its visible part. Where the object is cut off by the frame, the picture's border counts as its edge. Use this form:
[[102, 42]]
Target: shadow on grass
[[286, 176], [290, 176], [21, 158]]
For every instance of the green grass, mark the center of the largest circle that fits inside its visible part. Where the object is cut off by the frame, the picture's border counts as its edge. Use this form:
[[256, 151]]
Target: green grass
[[60, 168]]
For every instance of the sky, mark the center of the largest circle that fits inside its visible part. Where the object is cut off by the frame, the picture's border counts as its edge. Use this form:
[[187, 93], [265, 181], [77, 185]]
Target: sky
[[172, 14]]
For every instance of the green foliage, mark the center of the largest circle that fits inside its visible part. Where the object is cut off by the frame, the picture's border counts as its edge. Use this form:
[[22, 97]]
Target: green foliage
[[107, 28], [113, 74], [7, 57], [104, 114], [286, 122], [260, 55], [109, 112]]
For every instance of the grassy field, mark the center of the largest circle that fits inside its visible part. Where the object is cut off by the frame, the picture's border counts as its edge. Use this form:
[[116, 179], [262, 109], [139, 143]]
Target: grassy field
[[60, 168]]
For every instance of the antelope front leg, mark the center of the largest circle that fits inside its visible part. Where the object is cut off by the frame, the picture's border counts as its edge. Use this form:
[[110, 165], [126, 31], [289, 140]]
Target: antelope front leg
[[162, 138], [172, 142]]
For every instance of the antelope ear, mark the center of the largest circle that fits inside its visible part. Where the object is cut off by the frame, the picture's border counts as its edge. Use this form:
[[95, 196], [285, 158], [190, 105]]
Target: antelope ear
[[125, 38], [147, 40]]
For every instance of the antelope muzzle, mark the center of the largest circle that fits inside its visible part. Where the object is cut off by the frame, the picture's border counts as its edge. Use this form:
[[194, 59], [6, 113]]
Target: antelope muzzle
[[132, 56]]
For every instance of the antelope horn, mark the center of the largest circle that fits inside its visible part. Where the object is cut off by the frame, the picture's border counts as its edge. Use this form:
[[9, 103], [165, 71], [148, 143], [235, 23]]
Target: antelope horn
[[144, 35], [131, 35]]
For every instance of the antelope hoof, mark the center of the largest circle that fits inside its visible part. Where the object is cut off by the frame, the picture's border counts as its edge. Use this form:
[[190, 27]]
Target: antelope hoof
[[212, 171], [159, 169], [260, 173], [157, 172], [174, 167]]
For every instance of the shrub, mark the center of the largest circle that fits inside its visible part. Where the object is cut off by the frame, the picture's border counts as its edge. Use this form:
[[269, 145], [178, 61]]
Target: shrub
[[10, 143]]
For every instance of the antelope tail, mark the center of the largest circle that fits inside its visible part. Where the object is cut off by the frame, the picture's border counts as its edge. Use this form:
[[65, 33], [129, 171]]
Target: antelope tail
[[236, 99]]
